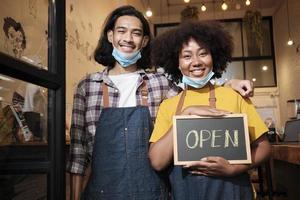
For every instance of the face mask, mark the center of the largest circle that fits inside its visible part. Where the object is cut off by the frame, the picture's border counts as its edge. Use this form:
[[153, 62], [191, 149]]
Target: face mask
[[197, 82], [126, 60]]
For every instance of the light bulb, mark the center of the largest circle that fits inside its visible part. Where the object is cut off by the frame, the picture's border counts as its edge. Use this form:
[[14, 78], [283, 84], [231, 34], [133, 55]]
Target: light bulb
[[149, 13], [203, 8], [187, 1], [237, 6], [248, 3], [224, 6], [264, 68], [253, 79], [290, 42]]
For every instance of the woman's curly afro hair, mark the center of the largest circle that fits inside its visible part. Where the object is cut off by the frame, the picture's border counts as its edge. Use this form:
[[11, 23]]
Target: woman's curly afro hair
[[166, 48]]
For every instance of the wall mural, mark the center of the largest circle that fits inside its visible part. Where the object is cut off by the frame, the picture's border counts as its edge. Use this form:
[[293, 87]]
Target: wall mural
[[77, 29], [15, 42], [32, 7]]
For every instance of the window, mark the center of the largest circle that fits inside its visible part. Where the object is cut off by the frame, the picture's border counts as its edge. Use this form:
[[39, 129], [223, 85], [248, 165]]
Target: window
[[250, 62]]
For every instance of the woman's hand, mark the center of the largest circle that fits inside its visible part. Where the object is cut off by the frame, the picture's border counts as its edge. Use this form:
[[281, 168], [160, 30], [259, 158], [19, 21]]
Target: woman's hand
[[204, 111], [212, 166], [244, 87]]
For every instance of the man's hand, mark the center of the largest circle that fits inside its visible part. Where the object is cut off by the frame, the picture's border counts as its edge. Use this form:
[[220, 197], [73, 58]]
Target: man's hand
[[244, 87]]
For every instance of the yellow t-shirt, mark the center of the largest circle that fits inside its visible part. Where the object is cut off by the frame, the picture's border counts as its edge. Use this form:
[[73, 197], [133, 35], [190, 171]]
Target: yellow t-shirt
[[227, 99]]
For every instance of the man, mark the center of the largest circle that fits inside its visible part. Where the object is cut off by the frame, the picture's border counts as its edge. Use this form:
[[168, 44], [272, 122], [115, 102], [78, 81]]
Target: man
[[113, 114]]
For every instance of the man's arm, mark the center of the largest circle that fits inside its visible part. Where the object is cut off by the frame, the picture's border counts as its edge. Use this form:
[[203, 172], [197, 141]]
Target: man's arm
[[75, 186], [78, 183]]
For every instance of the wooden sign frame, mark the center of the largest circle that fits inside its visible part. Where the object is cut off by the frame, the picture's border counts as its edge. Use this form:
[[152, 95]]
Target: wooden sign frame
[[178, 149]]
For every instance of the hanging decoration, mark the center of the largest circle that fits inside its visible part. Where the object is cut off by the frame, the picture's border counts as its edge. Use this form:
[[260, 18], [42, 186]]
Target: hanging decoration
[[189, 13], [253, 26]]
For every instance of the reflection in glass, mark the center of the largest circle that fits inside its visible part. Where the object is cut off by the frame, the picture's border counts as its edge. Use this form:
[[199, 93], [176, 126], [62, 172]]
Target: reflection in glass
[[20, 187], [250, 46], [23, 112], [233, 71], [234, 28], [261, 72], [23, 35]]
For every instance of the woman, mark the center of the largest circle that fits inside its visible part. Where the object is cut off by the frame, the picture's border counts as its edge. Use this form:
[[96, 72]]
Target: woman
[[194, 53]]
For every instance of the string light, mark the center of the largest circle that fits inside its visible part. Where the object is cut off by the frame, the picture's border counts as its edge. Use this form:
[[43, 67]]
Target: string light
[[224, 6], [149, 13], [264, 68], [247, 2], [203, 8], [290, 42]]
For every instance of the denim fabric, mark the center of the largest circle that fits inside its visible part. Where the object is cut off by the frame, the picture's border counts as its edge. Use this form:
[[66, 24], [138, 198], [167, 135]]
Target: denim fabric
[[120, 165], [186, 186]]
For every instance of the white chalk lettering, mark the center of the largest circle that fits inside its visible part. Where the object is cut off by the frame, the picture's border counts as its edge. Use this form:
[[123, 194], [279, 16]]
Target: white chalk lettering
[[234, 142], [216, 138], [195, 134]]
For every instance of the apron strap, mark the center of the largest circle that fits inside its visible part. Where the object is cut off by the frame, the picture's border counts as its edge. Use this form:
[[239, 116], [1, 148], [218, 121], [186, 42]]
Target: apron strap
[[180, 103], [105, 95], [212, 99], [144, 94], [212, 96]]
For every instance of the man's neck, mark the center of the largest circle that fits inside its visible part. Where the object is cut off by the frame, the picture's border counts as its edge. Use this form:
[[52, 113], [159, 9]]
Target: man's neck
[[118, 69]]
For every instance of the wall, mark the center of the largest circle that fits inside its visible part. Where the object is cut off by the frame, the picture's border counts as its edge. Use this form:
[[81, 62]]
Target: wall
[[287, 59]]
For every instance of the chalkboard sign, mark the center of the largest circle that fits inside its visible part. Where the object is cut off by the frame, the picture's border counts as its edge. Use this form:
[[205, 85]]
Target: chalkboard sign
[[197, 137]]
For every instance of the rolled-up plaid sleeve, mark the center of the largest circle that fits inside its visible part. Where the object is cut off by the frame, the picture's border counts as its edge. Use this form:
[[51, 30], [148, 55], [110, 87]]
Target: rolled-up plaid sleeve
[[78, 157]]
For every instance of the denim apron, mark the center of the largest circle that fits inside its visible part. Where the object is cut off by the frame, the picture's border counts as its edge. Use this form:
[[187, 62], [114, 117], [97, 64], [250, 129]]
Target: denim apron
[[187, 186], [120, 165]]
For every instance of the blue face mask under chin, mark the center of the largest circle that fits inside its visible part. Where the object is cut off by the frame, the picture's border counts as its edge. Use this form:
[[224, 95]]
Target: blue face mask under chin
[[126, 60], [197, 82]]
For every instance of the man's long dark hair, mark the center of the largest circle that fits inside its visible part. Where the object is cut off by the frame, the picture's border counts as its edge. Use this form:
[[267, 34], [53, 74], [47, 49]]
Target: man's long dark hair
[[103, 52]]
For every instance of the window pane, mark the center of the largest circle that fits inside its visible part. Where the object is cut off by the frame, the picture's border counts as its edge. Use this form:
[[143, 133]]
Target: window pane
[[23, 187], [250, 45], [234, 70], [234, 28], [24, 30], [261, 72], [23, 120]]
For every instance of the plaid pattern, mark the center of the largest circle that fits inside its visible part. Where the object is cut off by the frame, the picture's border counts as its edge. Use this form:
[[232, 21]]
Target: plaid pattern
[[88, 104]]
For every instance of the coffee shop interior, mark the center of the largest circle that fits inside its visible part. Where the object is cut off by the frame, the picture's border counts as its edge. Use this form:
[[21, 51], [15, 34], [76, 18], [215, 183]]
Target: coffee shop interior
[[46, 47]]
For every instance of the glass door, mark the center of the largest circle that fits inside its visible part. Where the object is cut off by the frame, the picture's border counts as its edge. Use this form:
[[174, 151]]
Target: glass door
[[32, 98]]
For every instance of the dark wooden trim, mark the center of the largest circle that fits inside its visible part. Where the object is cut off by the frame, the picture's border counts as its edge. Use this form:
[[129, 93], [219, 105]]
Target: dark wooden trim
[[24, 71], [56, 110], [157, 26], [32, 167]]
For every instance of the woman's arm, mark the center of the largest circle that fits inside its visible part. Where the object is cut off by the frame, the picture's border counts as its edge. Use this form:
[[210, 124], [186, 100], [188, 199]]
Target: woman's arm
[[161, 152]]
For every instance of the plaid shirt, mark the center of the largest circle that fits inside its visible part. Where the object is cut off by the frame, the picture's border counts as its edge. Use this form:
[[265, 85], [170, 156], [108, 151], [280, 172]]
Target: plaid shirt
[[88, 104]]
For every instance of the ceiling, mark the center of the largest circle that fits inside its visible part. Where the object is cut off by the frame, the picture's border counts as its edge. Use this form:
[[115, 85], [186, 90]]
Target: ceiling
[[174, 7]]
